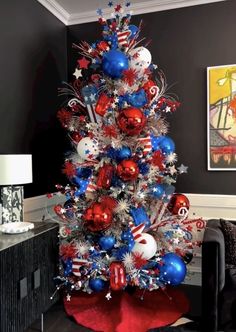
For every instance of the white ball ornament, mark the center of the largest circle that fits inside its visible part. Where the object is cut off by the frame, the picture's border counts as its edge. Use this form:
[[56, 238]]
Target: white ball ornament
[[148, 249], [140, 59], [87, 148]]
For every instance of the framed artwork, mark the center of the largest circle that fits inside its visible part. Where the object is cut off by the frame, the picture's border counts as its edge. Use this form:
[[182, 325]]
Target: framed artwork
[[221, 118]]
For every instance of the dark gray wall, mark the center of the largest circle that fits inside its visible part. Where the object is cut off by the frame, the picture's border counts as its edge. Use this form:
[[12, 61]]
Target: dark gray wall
[[32, 65], [184, 42]]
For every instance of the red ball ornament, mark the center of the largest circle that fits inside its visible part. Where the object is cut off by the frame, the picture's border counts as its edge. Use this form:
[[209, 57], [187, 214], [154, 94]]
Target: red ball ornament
[[131, 121], [103, 104], [128, 170], [179, 204], [117, 276], [97, 217]]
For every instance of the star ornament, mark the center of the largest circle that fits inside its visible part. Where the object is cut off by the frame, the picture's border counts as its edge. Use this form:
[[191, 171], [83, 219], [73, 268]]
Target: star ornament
[[83, 63], [182, 169], [77, 73], [68, 297]]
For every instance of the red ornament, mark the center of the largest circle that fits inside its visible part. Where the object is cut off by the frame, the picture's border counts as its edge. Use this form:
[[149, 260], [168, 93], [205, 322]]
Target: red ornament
[[117, 276], [83, 63], [179, 204], [128, 170], [104, 178], [97, 217], [103, 104], [131, 121], [149, 89]]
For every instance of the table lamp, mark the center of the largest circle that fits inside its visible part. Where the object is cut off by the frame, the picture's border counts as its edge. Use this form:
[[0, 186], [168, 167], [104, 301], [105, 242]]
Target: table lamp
[[15, 170]]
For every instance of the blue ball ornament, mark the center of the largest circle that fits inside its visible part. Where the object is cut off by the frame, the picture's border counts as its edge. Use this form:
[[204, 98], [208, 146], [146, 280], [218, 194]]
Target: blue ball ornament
[[155, 142], [114, 63], [123, 153], [157, 190], [97, 284], [167, 145], [173, 271], [107, 242], [133, 29]]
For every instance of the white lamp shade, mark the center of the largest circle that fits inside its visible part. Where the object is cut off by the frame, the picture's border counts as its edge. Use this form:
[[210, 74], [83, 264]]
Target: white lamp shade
[[15, 169]]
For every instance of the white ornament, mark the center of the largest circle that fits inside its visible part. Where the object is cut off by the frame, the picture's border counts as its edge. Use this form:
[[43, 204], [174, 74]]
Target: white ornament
[[148, 249], [87, 148], [141, 58]]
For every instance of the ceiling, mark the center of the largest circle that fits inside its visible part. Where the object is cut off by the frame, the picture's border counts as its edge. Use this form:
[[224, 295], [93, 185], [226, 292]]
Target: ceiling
[[82, 11]]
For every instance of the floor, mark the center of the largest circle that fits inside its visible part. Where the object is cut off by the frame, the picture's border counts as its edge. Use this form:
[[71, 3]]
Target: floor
[[56, 320]]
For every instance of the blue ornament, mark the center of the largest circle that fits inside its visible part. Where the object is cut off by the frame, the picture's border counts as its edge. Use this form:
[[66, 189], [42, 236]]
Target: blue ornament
[[83, 172], [114, 63], [157, 190], [107, 242], [90, 94], [133, 29], [137, 99], [173, 270], [81, 184], [140, 216], [123, 153], [167, 145], [97, 284], [155, 142]]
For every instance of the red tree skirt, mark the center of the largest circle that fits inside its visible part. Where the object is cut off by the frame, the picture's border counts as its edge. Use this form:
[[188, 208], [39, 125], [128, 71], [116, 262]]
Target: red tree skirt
[[124, 312]]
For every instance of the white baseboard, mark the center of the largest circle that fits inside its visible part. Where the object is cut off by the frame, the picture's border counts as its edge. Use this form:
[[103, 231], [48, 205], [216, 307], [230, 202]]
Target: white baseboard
[[206, 206]]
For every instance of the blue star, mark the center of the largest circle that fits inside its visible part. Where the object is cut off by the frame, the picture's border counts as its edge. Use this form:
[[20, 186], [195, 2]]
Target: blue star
[[99, 11], [87, 151], [128, 4], [110, 3]]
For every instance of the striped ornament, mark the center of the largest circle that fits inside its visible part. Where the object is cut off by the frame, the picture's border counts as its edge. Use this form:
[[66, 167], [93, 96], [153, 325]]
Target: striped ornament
[[91, 186], [76, 265], [146, 143], [137, 232], [89, 93], [122, 37]]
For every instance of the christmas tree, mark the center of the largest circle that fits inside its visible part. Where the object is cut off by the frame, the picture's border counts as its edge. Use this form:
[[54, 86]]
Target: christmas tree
[[122, 224]]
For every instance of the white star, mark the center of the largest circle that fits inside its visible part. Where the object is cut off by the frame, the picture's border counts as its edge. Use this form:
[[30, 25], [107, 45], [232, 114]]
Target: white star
[[77, 73], [176, 241], [108, 296], [68, 297], [172, 170], [92, 97], [183, 169]]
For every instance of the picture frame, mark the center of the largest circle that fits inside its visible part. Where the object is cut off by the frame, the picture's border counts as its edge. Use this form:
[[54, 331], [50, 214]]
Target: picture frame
[[221, 118]]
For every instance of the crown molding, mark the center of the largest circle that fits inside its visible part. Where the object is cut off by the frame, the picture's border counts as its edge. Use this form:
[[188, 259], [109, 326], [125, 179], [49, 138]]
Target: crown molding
[[136, 8], [56, 9]]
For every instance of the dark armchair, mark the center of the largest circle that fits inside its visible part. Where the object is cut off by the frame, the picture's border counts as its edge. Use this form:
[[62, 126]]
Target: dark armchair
[[218, 282]]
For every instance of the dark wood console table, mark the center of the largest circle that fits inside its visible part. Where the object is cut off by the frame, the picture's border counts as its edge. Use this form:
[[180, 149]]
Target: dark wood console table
[[28, 263]]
